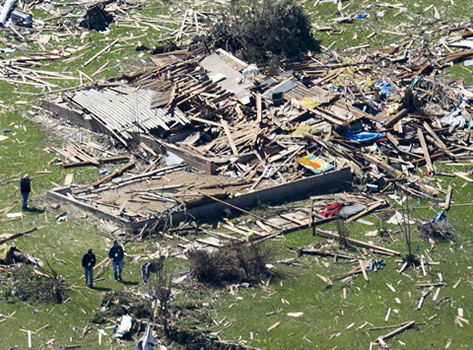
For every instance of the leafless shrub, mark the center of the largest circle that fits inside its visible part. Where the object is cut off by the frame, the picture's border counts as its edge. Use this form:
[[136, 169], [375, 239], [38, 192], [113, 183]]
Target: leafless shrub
[[42, 284], [343, 234], [437, 229], [160, 292], [230, 263]]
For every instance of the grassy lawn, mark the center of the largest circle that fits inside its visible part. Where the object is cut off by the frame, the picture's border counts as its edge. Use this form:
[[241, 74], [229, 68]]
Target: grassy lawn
[[246, 316]]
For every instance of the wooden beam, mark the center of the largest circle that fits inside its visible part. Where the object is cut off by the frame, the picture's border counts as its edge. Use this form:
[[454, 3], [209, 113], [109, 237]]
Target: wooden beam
[[242, 210], [100, 52], [363, 271], [395, 118], [112, 175], [434, 135], [386, 167], [205, 121], [428, 161], [364, 212], [393, 139], [448, 197], [358, 243], [463, 176], [397, 331], [229, 136], [258, 117]]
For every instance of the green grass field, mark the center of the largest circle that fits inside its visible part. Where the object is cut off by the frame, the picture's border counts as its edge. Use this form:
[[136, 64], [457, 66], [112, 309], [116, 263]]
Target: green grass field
[[326, 314]]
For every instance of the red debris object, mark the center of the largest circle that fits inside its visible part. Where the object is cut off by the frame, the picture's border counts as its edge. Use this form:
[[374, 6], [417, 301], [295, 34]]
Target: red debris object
[[332, 209]]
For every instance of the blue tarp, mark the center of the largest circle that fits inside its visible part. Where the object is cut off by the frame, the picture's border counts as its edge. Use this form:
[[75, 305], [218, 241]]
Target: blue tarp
[[362, 136]]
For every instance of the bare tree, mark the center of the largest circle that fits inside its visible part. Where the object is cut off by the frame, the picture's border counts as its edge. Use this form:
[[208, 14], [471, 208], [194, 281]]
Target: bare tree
[[160, 291], [343, 233], [405, 227]]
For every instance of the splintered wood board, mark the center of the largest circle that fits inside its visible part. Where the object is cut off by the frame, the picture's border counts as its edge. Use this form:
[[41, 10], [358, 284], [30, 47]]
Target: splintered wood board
[[68, 180]]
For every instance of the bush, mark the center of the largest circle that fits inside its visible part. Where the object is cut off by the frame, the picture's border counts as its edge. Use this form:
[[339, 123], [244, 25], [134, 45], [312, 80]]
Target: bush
[[231, 263], [343, 234], [267, 30], [37, 283]]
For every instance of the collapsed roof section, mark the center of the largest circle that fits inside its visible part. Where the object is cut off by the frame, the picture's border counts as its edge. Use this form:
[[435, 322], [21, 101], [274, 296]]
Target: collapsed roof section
[[124, 111]]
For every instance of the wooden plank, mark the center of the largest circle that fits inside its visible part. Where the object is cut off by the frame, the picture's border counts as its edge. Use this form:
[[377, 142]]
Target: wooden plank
[[209, 242], [242, 210], [221, 235], [395, 118], [397, 331], [69, 179], [448, 197], [363, 271], [229, 136], [263, 226], [428, 161], [205, 121], [463, 176], [258, 108], [356, 242], [100, 52], [364, 212], [434, 135], [391, 138], [112, 175], [290, 218], [258, 117], [387, 168]]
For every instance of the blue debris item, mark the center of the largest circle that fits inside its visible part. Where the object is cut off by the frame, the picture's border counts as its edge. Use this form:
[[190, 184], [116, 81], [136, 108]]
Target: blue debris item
[[105, 171], [427, 232], [5, 130], [385, 88], [362, 15], [439, 216], [415, 80], [376, 264], [417, 249], [362, 136], [438, 226]]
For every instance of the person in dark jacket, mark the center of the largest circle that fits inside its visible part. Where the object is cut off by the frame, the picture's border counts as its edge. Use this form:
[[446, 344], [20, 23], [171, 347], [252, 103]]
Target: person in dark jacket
[[25, 189], [88, 263], [116, 254]]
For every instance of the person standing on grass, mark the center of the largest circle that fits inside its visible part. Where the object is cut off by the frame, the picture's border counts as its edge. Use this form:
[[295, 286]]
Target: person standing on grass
[[88, 263], [116, 254], [25, 189]]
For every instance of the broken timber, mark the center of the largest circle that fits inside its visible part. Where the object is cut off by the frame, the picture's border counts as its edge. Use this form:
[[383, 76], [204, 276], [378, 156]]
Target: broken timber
[[358, 243]]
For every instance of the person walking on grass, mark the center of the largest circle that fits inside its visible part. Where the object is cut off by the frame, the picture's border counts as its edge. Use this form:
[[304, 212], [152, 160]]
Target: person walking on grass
[[88, 263], [116, 254], [25, 189]]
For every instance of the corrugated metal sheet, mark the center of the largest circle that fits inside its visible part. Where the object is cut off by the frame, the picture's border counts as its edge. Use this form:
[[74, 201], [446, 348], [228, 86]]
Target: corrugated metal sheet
[[124, 109]]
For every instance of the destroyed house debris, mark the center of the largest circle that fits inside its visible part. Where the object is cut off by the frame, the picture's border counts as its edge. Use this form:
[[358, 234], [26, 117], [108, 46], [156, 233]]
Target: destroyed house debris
[[210, 112], [123, 111]]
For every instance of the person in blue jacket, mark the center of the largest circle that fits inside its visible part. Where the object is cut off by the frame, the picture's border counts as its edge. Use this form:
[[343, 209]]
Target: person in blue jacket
[[116, 254]]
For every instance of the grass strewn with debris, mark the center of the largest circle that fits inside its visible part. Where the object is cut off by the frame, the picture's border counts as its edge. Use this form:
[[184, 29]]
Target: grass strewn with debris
[[246, 315]]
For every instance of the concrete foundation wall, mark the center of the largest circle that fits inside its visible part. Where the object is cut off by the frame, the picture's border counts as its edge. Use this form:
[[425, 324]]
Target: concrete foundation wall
[[325, 183], [60, 195], [74, 116]]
